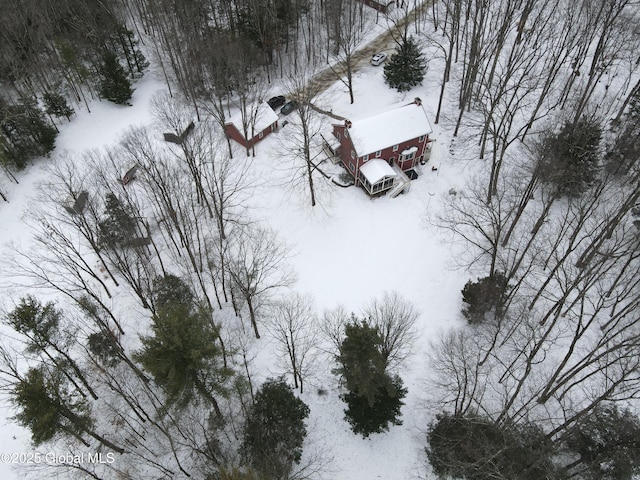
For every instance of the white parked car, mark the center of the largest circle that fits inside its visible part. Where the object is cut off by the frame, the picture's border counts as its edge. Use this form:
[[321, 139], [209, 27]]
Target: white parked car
[[378, 59]]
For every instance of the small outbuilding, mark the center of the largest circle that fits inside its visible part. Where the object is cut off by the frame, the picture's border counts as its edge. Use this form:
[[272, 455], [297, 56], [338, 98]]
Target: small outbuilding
[[251, 128]]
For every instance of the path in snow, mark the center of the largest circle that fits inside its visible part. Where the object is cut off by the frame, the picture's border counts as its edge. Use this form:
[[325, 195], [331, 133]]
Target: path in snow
[[361, 57]]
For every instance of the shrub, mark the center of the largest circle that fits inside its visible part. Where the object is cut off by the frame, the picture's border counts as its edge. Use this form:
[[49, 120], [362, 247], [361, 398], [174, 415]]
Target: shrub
[[104, 348], [476, 448], [608, 444], [171, 290], [484, 295], [569, 158]]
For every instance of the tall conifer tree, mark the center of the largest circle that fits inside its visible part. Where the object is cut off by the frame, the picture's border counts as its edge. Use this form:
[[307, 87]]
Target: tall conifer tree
[[406, 68], [115, 86]]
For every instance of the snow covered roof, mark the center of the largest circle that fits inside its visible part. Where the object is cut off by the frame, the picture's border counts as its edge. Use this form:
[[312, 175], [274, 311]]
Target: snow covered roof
[[401, 123], [329, 138], [376, 169], [265, 116], [410, 150]]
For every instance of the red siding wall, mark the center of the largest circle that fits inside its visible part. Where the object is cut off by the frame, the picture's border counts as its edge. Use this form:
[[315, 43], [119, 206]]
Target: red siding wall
[[388, 152], [346, 147]]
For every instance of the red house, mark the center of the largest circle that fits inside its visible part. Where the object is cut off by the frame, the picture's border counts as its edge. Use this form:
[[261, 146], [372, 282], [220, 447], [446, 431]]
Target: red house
[[381, 151], [258, 124]]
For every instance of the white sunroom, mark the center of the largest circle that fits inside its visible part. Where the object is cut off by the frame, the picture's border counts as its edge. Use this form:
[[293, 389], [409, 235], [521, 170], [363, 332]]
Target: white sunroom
[[376, 176]]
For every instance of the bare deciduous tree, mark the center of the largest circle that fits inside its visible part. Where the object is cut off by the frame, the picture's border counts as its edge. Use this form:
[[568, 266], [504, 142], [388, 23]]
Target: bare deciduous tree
[[258, 267], [347, 26], [293, 324], [303, 142], [332, 327], [396, 319]]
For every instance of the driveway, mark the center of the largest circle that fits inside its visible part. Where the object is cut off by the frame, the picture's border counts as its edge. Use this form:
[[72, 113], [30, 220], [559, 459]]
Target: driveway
[[361, 58]]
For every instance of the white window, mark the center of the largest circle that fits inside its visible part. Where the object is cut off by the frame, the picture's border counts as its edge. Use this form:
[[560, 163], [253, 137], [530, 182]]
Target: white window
[[421, 139], [395, 147], [260, 135], [378, 153], [338, 135], [365, 158], [408, 156], [351, 167], [353, 154]]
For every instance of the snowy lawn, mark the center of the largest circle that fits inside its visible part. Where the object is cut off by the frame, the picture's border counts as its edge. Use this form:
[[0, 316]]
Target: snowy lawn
[[348, 251]]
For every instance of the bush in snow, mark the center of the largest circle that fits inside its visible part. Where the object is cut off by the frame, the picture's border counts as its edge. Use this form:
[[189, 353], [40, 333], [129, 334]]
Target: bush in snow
[[569, 158], [170, 290], [476, 448], [482, 296], [607, 443]]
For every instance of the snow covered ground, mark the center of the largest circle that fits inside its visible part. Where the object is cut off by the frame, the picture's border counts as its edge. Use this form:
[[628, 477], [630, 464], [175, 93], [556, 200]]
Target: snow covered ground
[[348, 250]]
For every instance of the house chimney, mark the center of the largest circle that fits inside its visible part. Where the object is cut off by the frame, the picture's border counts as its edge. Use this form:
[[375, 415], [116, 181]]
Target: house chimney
[[417, 101], [347, 123]]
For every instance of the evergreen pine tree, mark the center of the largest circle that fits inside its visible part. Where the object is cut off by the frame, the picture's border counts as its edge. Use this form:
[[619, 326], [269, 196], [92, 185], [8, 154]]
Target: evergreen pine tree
[[119, 225], [275, 430], [375, 397], [129, 45], [41, 410], [184, 356], [24, 133], [171, 290], [366, 418], [607, 442], [477, 448], [115, 86], [56, 105], [47, 408], [362, 364], [406, 67]]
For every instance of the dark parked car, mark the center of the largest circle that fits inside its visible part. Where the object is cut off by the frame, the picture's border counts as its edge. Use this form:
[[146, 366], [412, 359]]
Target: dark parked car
[[275, 102], [289, 107]]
